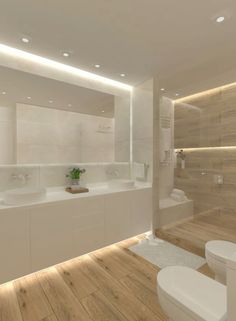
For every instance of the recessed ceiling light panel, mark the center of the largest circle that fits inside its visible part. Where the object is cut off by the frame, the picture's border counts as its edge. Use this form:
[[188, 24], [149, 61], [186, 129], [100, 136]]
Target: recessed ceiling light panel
[[66, 54], [220, 19], [25, 39]]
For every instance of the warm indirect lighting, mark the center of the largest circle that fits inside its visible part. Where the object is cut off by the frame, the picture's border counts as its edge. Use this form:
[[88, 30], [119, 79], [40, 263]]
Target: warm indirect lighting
[[220, 19], [65, 54], [205, 148], [25, 40], [203, 93], [97, 66], [3, 93], [50, 101], [162, 89], [122, 75], [61, 67]]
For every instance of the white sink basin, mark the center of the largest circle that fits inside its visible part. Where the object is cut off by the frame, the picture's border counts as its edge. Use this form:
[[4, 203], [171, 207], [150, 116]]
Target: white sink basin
[[121, 183], [24, 195]]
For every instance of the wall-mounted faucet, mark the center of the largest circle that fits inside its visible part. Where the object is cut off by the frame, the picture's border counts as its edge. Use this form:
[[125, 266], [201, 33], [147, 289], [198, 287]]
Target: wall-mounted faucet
[[182, 156], [113, 172], [21, 177]]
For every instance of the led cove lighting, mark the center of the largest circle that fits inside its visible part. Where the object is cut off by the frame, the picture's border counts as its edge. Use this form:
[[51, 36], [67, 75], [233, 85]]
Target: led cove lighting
[[205, 92], [220, 19], [204, 148], [61, 67]]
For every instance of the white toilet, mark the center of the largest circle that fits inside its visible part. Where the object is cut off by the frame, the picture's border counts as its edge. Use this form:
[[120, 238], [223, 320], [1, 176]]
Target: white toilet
[[217, 252], [187, 295]]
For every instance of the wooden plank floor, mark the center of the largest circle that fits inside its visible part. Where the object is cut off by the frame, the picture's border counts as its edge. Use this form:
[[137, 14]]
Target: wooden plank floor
[[111, 284], [192, 235]]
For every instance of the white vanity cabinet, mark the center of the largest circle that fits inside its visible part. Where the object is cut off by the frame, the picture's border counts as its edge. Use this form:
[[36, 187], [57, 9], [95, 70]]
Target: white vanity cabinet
[[118, 223], [14, 244], [88, 225], [41, 235], [50, 234]]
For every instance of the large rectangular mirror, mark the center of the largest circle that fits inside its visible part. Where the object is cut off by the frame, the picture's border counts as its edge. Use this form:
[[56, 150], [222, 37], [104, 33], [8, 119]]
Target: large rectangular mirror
[[43, 120]]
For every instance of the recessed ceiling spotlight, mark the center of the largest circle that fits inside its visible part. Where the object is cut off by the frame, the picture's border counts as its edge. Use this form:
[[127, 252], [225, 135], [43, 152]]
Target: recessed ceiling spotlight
[[220, 19], [25, 40], [122, 75], [162, 89], [103, 111], [29, 97], [177, 94], [97, 66], [3, 93], [69, 105], [66, 54], [50, 101]]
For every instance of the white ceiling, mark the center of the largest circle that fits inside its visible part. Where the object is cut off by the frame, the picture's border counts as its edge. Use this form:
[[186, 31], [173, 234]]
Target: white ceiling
[[177, 40], [19, 85]]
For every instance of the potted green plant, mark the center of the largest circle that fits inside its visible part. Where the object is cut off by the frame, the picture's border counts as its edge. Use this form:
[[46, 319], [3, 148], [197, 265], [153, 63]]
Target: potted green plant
[[74, 176]]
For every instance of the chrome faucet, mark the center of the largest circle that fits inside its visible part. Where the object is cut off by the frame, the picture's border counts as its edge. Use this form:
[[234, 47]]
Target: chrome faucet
[[113, 172], [23, 178]]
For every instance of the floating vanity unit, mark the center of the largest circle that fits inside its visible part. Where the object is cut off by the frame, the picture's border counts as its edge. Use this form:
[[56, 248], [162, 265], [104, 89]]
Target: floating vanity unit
[[64, 226]]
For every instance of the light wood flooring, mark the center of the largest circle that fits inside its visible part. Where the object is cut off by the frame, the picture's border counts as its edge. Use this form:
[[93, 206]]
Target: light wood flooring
[[111, 284]]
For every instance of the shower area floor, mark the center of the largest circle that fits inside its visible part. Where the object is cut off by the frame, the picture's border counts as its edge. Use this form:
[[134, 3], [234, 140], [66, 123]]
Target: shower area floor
[[192, 235]]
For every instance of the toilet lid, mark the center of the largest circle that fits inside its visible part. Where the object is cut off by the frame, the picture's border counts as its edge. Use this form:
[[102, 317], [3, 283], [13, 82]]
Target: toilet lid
[[198, 295], [221, 250]]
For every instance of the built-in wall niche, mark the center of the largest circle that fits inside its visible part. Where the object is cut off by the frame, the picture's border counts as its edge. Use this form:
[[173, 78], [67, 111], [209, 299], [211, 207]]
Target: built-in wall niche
[[45, 121]]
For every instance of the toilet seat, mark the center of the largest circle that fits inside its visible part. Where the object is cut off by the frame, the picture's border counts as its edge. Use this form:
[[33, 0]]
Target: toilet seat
[[217, 253], [220, 250], [196, 296]]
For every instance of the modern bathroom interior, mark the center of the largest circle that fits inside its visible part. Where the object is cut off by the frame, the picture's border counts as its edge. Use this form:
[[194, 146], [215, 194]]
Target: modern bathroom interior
[[117, 184]]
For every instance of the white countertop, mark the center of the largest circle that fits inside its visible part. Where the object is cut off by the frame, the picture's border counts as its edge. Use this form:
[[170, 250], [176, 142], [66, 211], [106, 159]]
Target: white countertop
[[56, 194]]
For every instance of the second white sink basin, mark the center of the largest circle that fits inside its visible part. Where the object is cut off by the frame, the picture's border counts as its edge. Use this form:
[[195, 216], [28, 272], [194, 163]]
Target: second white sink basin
[[21, 196], [121, 183]]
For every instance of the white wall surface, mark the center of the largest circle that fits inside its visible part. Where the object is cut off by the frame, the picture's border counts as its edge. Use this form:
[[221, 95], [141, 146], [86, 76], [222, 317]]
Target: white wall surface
[[142, 105], [47, 135], [7, 135], [51, 175], [122, 129], [167, 170]]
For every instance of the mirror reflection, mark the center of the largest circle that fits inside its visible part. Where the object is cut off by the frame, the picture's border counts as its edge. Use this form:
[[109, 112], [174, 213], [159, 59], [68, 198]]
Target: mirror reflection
[[48, 121]]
